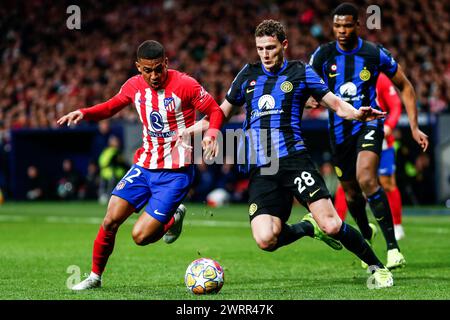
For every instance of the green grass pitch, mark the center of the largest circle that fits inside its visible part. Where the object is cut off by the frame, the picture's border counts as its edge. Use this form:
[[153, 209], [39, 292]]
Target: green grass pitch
[[39, 242]]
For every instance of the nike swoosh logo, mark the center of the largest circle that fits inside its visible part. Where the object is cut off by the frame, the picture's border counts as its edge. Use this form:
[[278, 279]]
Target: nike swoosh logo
[[367, 145], [158, 213], [250, 90], [311, 194], [379, 219], [333, 75]]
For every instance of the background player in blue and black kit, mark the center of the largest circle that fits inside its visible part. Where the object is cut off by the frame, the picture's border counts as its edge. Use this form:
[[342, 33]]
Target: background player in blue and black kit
[[274, 92], [350, 67]]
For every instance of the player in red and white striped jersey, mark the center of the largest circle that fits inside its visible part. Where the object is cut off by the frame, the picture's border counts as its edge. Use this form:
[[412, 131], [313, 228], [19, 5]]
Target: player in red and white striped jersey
[[166, 101]]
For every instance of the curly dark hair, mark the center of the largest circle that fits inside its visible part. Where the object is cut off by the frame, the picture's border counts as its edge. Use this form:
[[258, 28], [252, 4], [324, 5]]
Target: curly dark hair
[[271, 28]]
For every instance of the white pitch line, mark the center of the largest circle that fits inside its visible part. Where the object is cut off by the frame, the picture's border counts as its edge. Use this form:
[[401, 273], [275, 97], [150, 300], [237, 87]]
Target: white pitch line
[[97, 221]]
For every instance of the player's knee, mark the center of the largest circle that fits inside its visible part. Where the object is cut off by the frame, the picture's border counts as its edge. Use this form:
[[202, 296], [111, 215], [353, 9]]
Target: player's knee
[[139, 238], [267, 245], [110, 224], [140, 241], [368, 183], [266, 242], [331, 226]]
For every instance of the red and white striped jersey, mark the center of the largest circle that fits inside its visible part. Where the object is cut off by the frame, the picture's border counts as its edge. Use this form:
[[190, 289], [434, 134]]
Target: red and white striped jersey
[[163, 113], [389, 101]]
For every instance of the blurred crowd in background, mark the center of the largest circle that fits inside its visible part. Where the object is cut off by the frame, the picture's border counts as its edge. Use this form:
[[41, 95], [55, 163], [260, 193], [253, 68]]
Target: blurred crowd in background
[[48, 70]]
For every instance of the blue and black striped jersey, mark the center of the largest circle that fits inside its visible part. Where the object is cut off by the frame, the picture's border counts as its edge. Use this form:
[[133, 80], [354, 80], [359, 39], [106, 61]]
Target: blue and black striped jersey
[[274, 106], [352, 76]]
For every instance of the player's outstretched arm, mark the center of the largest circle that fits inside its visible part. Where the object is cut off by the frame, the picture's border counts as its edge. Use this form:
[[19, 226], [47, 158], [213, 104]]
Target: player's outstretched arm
[[348, 112], [409, 99], [98, 112], [72, 117], [201, 126]]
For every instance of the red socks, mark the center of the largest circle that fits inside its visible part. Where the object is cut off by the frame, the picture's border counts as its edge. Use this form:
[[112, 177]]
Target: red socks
[[169, 224], [395, 203], [103, 247], [340, 203], [394, 198]]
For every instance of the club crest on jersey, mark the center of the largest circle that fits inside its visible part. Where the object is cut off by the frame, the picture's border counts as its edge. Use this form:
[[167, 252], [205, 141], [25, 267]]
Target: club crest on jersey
[[252, 209], [333, 67], [364, 75], [120, 185], [266, 102], [156, 121], [252, 83], [286, 86], [169, 104]]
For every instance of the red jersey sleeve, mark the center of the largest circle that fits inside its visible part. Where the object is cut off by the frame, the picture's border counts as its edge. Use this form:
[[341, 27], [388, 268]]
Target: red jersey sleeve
[[389, 100], [201, 100], [112, 106]]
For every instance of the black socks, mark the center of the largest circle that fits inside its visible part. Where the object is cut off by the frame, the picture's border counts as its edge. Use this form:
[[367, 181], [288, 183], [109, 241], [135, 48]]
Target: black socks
[[357, 209], [380, 207], [293, 232], [353, 241]]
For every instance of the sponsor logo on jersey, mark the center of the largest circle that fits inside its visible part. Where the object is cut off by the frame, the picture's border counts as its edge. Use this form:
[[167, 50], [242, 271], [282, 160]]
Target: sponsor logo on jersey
[[286, 86], [266, 105], [158, 213], [156, 121], [311, 194], [266, 102], [166, 134], [348, 92], [348, 89]]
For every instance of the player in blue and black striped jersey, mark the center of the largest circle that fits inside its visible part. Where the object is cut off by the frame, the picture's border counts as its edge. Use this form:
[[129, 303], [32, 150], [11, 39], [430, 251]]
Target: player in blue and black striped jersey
[[274, 92], [350, 67]]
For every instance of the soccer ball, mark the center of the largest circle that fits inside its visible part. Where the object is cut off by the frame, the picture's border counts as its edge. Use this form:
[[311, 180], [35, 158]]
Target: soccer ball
[[218, 198], [204, 276]]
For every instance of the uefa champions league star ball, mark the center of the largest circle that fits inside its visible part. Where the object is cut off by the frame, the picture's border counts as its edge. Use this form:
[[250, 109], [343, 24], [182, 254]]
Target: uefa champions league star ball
[[204, 276]]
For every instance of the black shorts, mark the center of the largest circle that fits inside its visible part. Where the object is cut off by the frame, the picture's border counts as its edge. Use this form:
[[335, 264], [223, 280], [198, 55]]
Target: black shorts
[[273, 194], [346, 153]]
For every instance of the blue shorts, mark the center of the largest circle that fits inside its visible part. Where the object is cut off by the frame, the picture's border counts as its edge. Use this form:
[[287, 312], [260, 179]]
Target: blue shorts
[[162, 190], [387, 162]]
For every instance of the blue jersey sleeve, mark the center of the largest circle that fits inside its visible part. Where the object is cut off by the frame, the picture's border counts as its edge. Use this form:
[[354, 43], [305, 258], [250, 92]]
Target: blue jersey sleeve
[[235, 94], [388, 65], [315, 61], [315, 85]]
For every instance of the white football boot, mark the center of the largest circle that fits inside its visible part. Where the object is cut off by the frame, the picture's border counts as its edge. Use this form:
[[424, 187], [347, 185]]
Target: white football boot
[[174, 232], [91, 282]]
